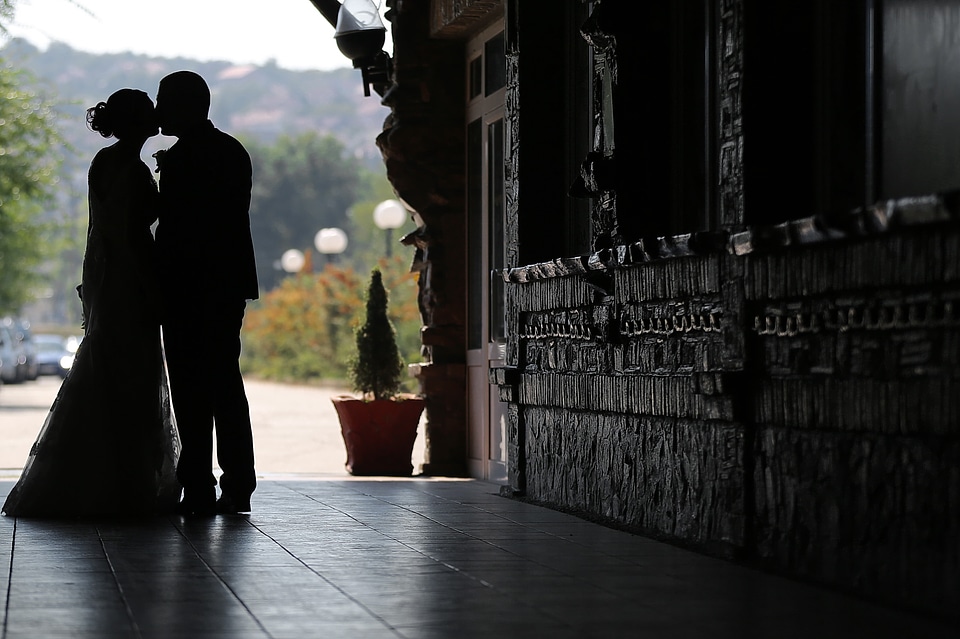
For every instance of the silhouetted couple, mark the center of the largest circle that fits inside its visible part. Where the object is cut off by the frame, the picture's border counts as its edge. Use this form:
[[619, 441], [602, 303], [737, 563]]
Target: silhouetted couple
[[110, 443]]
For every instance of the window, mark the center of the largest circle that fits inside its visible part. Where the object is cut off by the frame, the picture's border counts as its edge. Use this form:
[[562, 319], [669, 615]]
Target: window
[[554, 122], [486, 72], [806, 97], [920, 134], [664, 119], [652, 139]]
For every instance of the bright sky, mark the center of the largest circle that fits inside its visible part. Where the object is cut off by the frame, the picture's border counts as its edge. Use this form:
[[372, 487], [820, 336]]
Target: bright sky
[[291, 32]]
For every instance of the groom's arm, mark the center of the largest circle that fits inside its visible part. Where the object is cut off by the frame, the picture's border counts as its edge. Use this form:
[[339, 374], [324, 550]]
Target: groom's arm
[[235, 269]]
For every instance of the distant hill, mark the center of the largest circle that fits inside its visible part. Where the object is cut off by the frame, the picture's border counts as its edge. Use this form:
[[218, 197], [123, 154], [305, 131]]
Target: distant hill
[[261, 102]]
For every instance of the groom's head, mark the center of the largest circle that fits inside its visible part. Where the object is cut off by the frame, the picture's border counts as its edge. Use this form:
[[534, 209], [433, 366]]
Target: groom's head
[[183, 102]]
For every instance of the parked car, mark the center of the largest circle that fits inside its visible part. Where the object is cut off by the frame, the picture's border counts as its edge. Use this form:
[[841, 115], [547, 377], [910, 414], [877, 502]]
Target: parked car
[[53, 356], [20, 329], [14, 368]]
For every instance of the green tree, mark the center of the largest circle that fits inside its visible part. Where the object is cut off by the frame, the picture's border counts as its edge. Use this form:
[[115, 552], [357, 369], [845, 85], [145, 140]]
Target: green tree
[[376, 370], [301, 184], [6, 15], [28, 165]]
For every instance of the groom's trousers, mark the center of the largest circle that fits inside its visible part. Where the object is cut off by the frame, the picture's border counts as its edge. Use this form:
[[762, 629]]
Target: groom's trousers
[[202, 346]]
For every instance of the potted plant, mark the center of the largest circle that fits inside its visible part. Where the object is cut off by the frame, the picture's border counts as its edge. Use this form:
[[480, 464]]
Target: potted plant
[[380, 427]]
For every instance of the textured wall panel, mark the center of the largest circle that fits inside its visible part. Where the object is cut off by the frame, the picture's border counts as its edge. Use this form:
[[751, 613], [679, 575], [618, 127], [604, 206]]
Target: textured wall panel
[[854, 369], [461, 18], [672, 477], [674, 396], [923, 258], [877, 514], [791, 391], [669, 279]]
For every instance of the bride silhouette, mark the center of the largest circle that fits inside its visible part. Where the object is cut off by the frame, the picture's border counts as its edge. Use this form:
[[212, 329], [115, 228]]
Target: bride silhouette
[[109, 444]]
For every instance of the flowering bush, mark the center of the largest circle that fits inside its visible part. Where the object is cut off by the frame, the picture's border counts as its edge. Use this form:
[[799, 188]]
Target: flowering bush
[[303, 329]]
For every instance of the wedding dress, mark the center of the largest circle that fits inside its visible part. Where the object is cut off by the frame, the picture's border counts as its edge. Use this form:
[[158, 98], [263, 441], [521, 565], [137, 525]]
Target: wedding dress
[[109, 444]]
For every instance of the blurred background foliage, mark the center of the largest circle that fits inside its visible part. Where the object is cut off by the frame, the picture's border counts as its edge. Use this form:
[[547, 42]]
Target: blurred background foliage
[[303, 330], [311, 137]]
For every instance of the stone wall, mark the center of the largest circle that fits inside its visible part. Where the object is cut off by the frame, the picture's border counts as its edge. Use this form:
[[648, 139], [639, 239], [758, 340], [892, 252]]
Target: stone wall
[[784, 394], [791, 400], [730, 119], [423, 150], [624, 405], [459, 18], [854, 373]]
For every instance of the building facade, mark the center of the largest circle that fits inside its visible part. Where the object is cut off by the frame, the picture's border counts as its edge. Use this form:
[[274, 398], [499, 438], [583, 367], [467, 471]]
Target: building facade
[[693, 268]]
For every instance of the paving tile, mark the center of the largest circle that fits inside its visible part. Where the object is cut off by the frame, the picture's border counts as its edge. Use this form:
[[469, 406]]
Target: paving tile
[[410, 558], [69, 633], [213, 633], [492, 628], [370, 630], [82, 619]]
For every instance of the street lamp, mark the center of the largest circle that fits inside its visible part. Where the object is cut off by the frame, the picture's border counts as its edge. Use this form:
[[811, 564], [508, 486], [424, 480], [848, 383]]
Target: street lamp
[[389, 215], [292, 261], [331, 242], [360, 35]]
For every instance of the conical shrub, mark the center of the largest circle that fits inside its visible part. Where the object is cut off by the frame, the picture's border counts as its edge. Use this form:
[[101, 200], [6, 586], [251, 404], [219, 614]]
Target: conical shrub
[[377, 367]]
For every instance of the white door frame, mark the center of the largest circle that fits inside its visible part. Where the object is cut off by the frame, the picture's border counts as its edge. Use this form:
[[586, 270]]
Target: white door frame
[[486, 414]]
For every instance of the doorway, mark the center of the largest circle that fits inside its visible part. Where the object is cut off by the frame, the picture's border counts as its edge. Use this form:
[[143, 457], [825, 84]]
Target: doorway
[[486, 83]]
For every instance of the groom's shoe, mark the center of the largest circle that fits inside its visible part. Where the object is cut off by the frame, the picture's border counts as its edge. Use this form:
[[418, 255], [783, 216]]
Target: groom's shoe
[[196, 506], [230, 505]]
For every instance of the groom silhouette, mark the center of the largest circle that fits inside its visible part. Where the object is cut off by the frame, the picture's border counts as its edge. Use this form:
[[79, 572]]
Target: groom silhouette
[[207, 273]]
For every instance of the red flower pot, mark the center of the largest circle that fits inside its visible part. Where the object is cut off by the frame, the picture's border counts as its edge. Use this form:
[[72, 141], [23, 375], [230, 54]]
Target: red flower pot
[[379, 434]]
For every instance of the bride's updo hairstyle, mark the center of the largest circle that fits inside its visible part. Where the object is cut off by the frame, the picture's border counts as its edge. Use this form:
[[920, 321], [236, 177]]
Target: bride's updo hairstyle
[[120, 115]]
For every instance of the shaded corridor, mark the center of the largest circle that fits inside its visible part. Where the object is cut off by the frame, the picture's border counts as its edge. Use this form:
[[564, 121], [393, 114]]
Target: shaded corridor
[[415, 558]]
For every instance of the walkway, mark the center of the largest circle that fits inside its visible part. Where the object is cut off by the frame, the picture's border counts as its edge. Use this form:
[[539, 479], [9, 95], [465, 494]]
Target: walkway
[[418, 558], [296, 429]]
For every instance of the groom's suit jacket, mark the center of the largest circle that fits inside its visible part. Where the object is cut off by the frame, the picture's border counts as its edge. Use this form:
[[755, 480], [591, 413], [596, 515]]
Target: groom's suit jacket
[[203, 236]]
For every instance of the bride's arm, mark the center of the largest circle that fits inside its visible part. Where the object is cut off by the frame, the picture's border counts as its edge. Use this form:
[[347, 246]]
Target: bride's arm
[[94, 257]]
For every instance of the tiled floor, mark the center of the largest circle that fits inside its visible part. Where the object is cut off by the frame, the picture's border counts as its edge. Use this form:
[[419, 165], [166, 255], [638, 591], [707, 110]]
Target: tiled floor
[[408, 558]]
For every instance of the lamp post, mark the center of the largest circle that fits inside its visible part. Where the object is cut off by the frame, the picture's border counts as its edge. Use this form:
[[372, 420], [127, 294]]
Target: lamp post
[[331, 242], [292, 261], [389, 215]]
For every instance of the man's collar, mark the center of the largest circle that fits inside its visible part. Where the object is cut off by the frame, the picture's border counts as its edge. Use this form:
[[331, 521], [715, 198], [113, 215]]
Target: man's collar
[[199, 129]]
